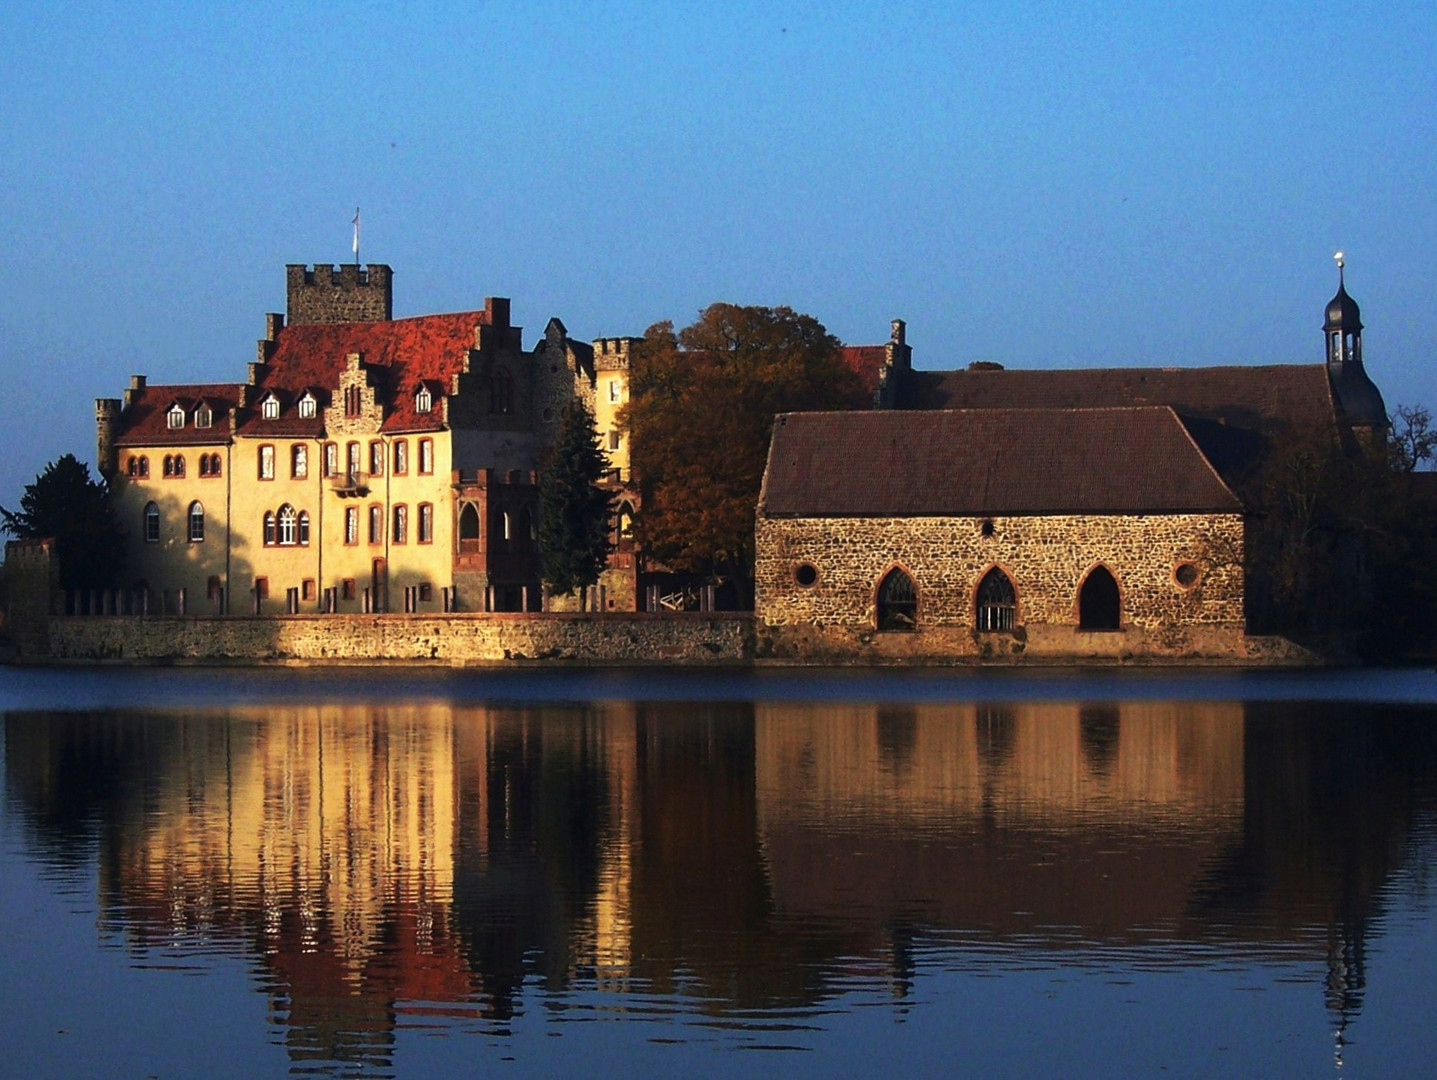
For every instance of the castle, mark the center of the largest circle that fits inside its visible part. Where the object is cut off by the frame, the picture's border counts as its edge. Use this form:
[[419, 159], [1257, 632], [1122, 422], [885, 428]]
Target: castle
[[366, 463], [370, 465]]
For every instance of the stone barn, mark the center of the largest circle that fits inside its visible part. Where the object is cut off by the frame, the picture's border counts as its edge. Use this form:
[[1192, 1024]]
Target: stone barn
[[997, 533]]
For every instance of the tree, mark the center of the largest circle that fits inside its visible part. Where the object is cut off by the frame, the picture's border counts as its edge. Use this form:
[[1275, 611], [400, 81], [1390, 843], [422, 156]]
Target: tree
[[574, 511], [700, 414], [65, 503], [1413, 440]]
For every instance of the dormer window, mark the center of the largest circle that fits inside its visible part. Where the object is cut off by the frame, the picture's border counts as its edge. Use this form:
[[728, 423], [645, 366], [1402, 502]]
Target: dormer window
[[204, 416], [423, 400], [175, 418], [269, 408], [308, 407]]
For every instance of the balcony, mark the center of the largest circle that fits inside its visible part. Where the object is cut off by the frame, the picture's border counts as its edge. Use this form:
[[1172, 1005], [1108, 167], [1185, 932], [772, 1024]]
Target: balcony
[[348, 484]]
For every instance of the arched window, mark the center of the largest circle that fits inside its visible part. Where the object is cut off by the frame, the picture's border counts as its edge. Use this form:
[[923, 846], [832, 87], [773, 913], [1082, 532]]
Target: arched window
[[152, 523], [469, 529], [423, 400], [298, 461], [1100, 605], [304, 527], [215, 468], [287, 523], [204, 416], [501, 391], [996, 602], [897, 602], [399, 533], [308, 407], [526, 524], [269, 531], [269, 408], [144, 466], [169, 466], [197, 522], [175, 418], [179, 464]]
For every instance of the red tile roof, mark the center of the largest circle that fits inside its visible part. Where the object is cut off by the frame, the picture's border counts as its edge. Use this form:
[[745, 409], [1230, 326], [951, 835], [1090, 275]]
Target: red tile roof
[[989, 461], [143, 422], [1259, 398], [406, 352]]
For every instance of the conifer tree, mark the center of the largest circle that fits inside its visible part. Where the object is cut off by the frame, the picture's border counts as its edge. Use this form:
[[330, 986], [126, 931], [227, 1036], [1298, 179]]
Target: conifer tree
[[574, 511], [66, 504]]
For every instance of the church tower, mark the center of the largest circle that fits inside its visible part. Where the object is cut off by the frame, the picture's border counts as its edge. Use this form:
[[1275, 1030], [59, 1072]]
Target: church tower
[[1357, 397]]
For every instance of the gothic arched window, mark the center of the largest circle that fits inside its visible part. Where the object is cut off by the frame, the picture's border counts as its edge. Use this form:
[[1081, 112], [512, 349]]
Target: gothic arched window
[[897, 602], [197, 522], [1100, 605], [996, 602], [152, 523], [287, 524], [501, 391]]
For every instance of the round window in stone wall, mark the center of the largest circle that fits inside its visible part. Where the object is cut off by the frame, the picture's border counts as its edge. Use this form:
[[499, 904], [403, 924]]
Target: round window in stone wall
[[805, 573], [1186, 574]]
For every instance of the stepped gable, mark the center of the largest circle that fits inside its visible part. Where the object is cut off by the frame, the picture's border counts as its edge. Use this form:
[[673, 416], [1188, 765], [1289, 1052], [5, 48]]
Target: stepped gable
[[867, 362], [402, 353], [1261, 398], [143, 421], [978, 462]]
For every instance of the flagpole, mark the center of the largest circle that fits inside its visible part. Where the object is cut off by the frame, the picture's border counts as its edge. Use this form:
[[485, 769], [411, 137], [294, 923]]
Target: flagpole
[[356, 236]]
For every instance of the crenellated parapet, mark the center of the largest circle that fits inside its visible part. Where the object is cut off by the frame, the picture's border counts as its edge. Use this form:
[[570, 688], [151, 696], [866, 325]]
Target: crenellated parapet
[[612, 353], [339, 294]]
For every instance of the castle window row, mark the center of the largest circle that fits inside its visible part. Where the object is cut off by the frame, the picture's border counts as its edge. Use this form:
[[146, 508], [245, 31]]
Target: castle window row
[[194, 522], [175, 417], [398, 525]]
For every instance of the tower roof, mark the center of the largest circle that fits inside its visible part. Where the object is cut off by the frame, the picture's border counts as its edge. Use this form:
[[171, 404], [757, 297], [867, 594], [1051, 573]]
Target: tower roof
[[1342, 312]]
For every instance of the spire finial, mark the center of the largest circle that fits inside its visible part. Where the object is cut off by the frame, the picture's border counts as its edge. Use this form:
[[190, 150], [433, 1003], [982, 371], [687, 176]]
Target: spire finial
[[1341, 261]]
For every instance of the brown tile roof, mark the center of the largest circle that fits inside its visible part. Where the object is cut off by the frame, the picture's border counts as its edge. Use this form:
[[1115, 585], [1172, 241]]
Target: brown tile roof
[[989, 461], [1258, 398], [430, 348], [867, 361], [143, 422]]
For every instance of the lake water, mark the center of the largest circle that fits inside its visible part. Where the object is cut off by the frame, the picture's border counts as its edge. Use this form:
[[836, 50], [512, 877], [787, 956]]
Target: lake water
[[418, 873]]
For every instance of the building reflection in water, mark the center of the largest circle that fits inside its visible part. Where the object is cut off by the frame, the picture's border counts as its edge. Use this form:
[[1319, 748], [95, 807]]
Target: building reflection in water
[[415, 864]]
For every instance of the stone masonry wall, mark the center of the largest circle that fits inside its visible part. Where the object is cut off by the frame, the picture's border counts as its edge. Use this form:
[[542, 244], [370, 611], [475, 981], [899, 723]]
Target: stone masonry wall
[[1046, 558], [479, 638]]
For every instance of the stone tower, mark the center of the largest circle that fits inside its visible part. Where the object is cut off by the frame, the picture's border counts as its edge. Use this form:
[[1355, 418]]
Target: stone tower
[[339, 294]]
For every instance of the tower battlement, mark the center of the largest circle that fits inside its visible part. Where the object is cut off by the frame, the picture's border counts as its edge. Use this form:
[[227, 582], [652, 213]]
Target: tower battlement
[[612, 354], [338, 294]]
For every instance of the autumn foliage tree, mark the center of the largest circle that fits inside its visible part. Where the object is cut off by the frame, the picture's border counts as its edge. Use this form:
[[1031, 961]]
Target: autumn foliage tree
[[700, 413]]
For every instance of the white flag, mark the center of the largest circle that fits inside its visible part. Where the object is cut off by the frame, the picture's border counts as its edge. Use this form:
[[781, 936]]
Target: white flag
[[356, 234]]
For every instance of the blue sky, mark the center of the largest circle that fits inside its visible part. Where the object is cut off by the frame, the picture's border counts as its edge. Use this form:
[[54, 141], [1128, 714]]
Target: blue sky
[[1039, 184]]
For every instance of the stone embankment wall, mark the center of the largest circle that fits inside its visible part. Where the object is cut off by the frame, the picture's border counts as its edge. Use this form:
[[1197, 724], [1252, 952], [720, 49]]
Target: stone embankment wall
[[477, 638]]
